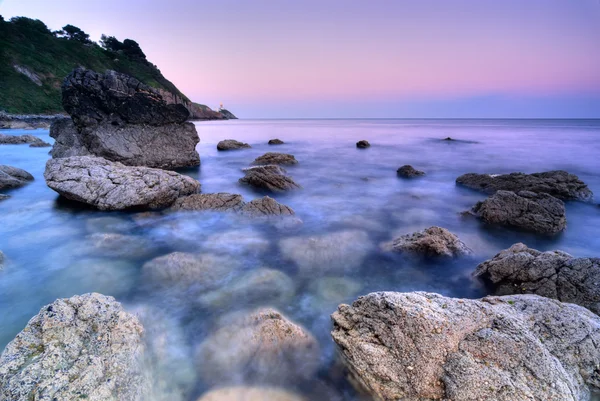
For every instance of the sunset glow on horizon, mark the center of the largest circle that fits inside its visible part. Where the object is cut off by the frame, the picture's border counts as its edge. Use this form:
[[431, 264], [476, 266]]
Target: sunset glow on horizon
[[463, 58]]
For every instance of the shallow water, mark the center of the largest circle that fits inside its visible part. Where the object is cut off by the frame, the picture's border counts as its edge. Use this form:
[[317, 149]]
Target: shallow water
[[50, 251]]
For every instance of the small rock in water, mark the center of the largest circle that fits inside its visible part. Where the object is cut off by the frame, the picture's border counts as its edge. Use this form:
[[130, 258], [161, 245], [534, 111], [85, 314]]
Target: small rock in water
[[431, 242], [241, 393], [363, 144], [232, 144], [33, 141], [276, 142], [270, 177], [12, 177], [275, 158], [222, 202], [266, 207], [408, 171], [261, 346]]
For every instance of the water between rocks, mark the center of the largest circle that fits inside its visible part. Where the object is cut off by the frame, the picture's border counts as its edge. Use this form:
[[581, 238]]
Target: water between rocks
[[51, 254]]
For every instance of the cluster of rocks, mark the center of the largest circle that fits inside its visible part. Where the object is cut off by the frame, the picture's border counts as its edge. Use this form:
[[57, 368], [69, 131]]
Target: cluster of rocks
[[25, 121], [32, 140]]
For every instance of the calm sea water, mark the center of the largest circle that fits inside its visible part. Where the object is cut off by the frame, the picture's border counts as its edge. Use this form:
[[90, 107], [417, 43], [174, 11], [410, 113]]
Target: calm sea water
[[47, 241]]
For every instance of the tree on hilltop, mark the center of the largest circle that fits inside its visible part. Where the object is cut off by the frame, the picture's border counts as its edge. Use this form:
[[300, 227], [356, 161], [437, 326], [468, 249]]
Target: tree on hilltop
[[71, 32]]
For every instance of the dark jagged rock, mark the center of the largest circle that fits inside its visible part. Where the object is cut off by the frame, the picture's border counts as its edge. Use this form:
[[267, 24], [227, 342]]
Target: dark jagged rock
[[110, 185], [363, 144], [232, 144], [552, 274], [276, 142], [540, 213], [117, 117], [558, 183], [270, 177], [431, 242], [33, 141], [422, 346], [275, 158], [408, 171], [12, 177], [221, 202]]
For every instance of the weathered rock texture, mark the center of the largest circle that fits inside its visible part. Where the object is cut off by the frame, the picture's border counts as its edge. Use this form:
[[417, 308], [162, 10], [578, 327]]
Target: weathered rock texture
[[117, 117], [240, 393], [559, 184], [262, 346], [271, 177], [540, 213], [221, 202], [232, 144], [553, 274], [276, 142], [113, 186], [12, 177], [84, 347], [275, 158], [431, 242], [408, 171], [33, 141], [266, 207], [422, 346], [363, 144]]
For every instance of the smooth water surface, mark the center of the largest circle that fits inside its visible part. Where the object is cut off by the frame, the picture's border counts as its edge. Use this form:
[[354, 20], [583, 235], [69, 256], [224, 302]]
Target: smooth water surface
[[50, 251]]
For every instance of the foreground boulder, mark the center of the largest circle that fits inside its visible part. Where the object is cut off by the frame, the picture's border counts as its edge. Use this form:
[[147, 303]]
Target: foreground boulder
[[221, 202], [117, 117], [431, 242], [12, 177], [275, 158], [240, 393], [540, 213], [363, 144], [553, 274], [33, 141], [276, 142], [558, 183], [262, 346], [272, 178], [422, 346], [408, 171], [232, 144], [84, 347], [113, 186]]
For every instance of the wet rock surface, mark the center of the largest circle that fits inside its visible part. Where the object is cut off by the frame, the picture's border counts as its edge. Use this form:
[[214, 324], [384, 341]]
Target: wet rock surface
[[417, 346], [84, 347], [558, 183], [275, 158], [32, 140], [540, 213], [266, 207], [222, 202], [408, 171], [232, 144], [276, 142], [271, 177], [113, 186], [552, 274], [363, 144], [431, 242], [12, 177]]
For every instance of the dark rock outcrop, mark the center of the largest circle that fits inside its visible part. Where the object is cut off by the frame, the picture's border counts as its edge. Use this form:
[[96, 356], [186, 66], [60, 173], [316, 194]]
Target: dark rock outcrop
[[33, 141], [117, 117], [276, 142], [270, 177], [363, 144], [540, 213], [558, 183], [113, 186], [431, 242], [553, 274], [423, 346], [12, 177], [408, 171], [232, 144], [275, 158]]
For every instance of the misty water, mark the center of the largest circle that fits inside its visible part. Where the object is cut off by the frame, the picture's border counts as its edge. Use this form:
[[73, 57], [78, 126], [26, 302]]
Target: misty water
[[352, 194]]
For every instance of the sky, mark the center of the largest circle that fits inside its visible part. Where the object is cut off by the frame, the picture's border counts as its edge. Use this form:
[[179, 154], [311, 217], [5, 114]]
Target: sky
[[359, 59]]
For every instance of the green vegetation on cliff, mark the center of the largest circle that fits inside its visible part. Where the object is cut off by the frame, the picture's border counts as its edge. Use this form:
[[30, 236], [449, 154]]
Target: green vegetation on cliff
[[34, 61]]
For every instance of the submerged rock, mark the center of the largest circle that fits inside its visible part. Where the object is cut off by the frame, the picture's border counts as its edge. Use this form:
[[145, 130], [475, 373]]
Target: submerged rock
[[540, 213], [12, 177], [271, 177], [240, 393], [408, 171], [2, 258], [558, 183], [3, 197], [232, 144], [431, 242], [552, 274], [363, 144], [83, 347], [324, 254], [275, 158], [113, 186], [32, 140], [262, 346], [118, 246], [109, 224], [221, 202], [244, 242], [276, 142], [117, 117], [417, 346]]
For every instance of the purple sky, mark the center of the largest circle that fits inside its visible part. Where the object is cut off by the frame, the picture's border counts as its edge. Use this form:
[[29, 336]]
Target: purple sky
[[344, 58]]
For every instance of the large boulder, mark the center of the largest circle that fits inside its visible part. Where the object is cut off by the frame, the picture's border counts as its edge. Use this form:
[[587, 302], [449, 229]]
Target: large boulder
[[262, 346], [559, 184], [221, 202], [422, 346], [12, 177], [117, 117], [242, 393], [271, 177], [110, 185], [275, 158], [540, 213], [552, 274], [32, 140], [84, 347], [231, 144], [431, 242]]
